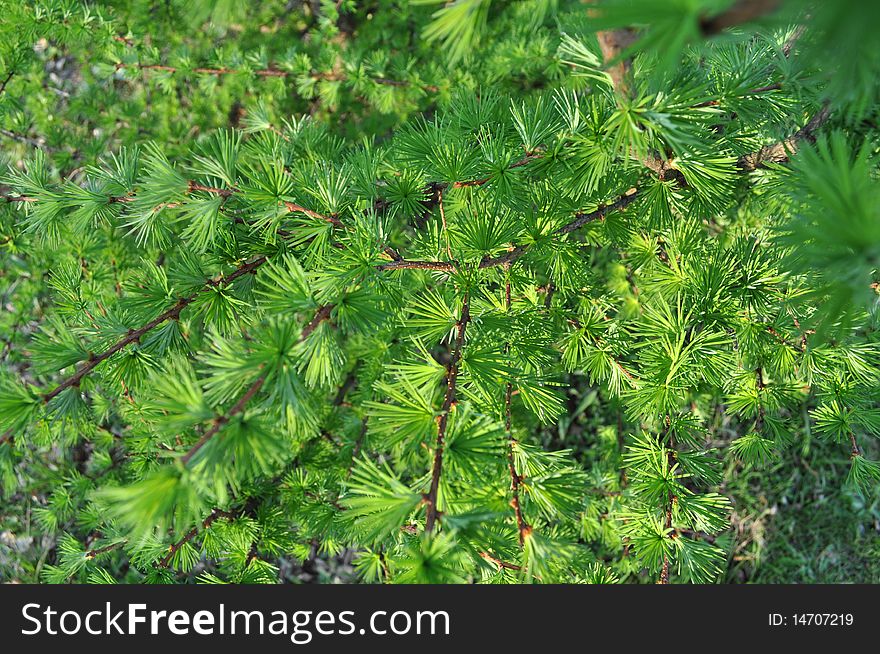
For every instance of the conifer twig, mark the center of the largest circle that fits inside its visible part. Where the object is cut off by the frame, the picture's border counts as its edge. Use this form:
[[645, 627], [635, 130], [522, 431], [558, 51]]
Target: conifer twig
[[273, 72], [406, 264], [21, 138], [135, 335], [220, 420], [523, 529], [91, 554], [529, 157], [741, 11], [612, 44], [443, 419], [780, 152], [443, 221], [759, 385], [580, 219], [855, 451], [6, 81], [502, 565]]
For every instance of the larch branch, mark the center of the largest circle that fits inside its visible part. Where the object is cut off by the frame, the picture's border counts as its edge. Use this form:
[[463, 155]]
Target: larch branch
[[445, 409]]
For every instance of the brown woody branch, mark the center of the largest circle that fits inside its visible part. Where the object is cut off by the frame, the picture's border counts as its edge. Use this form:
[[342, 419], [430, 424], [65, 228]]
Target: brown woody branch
[[292, 207], [531, 156], [742, 11], [91, 554], [273, 72], [670, 500], [220, 420], [502, 565], [21, 138], [6, 81], [323, 313], [443, 419], [580, 219], [613, 43], [405, 264], [523, 528], [759, 386], [855, 451]]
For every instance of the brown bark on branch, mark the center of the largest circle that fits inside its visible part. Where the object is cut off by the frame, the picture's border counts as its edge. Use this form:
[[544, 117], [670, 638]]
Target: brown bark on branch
[[502, 565], [135, 335], [404, 264], [222, 420], [523, 529], [273, 72], [780, 152], [322, 314], [613, 43], [91, 554], [443, 419]]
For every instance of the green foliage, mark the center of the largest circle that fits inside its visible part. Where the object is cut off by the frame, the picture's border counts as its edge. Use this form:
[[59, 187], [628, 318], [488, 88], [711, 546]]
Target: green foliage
[[548, 308]]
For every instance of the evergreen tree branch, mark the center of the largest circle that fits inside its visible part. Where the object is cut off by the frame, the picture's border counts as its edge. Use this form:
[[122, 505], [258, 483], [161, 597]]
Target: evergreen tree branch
[[528, 158], [405, 264], [443, 419], [273, 72], [580, 219], [780, 152], [502, 565], [747, 163], [322, 314], [443, 222], [292, 207], [612, 44], [6, 81], [219, 421], [741, 11], [759, 385], [855, 451], [193, 186], [523, 529], [91, 554], [626, 373], [215, 515], [670, 501], [27, 140], [135, 335]]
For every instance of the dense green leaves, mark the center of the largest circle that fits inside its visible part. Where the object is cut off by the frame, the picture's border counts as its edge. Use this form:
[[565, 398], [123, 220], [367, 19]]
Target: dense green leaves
[[311, 302]]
